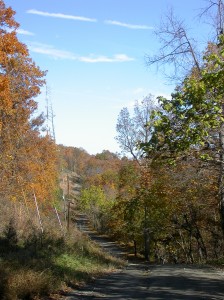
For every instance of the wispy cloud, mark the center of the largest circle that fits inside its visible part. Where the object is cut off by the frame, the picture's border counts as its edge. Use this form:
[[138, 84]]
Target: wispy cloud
[[130, 26], [20, 31], [60, 16], [98, 59], [62, 54], [51, 51], [25, 32]]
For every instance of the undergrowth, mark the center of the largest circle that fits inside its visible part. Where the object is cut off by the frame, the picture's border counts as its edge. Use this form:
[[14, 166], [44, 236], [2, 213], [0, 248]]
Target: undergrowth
[[34, 264]]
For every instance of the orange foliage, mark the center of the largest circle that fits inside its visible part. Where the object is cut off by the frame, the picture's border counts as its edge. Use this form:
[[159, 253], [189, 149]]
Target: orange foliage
[[27, 160]]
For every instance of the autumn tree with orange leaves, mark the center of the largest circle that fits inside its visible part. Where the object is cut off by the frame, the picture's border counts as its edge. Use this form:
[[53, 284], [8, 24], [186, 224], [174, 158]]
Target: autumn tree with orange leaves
[[27, 158]]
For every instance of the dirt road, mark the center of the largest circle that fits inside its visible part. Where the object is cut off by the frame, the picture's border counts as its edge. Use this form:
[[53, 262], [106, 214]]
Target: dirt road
[[144, 281]]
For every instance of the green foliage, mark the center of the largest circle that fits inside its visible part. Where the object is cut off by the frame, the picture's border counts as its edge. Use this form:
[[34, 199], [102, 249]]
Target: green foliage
[[94, 202], [195, 108], [186, 126], [92, 197]]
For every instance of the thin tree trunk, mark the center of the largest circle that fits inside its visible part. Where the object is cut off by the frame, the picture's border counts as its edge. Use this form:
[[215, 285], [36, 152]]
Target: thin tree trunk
[[38, 213], [68, 216], [221, 178], [147, 241], [190, 252], [202, 251], [135, 248], [58, 218], [146, 235]]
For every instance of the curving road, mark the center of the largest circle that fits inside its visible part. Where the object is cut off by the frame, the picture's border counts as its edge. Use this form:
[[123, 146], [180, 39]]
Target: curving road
[[144, 281]]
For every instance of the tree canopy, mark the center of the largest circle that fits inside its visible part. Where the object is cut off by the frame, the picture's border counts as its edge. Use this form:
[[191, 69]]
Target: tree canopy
[[27, 157]]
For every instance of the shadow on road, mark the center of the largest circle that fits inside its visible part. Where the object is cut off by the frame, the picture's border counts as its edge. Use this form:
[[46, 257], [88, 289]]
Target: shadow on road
[[144, 281]]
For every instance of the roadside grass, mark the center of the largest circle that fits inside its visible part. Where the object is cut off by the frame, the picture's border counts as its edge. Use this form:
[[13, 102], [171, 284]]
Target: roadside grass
[[41, 264], [217, 263]]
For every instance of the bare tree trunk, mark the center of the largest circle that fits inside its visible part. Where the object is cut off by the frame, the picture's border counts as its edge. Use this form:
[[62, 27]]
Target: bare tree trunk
[[202, 251], [147, 241], [182, 242], [221, 176], [146, 235], [135, 248], [38, 213], [190, 252]]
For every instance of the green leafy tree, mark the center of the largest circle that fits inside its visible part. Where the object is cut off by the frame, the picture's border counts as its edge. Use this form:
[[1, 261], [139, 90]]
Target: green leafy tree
[[193, 118], [191, 122], [93, 201]]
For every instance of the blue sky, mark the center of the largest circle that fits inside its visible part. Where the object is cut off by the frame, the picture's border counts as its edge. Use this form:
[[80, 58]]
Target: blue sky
[[94, 51]]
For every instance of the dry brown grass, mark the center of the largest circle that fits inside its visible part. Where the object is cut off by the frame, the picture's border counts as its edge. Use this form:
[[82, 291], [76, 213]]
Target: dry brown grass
[[26, 283], [33, 264]]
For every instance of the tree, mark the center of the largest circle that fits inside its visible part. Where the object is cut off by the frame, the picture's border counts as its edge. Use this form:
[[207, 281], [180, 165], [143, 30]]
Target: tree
[[177, 49], [195, 114], [214, 12], [27, 158], [125, 215], [93, 201], [131, 130]]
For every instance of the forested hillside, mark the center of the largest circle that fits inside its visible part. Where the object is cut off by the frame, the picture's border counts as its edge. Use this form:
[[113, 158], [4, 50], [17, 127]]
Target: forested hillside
[[167, 200], [39, 255], [163, 205], [162, 197], [165, 212]]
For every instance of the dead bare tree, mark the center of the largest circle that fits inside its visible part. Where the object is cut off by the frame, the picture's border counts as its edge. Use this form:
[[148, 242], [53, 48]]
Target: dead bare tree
[[214, 11], [177, 49]]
